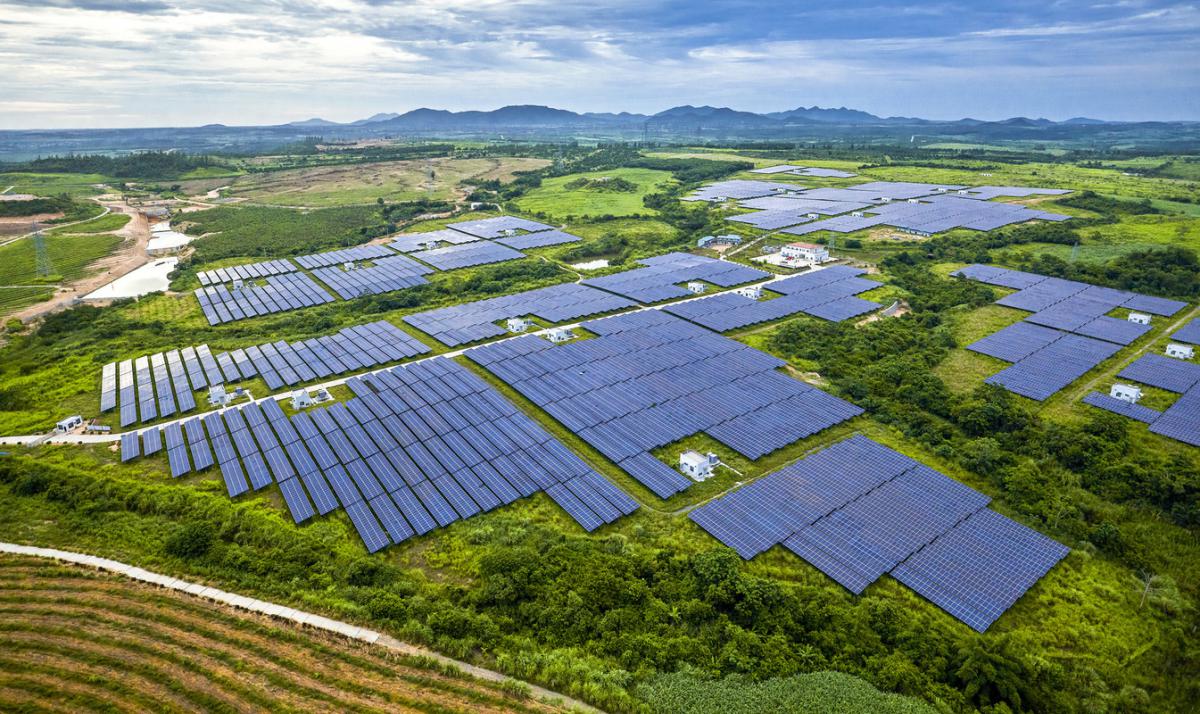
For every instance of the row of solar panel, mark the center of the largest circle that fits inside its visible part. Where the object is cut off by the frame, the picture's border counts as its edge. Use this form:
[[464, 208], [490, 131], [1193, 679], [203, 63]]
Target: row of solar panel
[[1036, 293], [469, 322], [466, 255], [827, 299], [395, 272], [431, 439], [858, 510], [632, 390], [931, 215], [660, 278], [289, 291], [174, 375], [244, 272], [346, 255], [1181, 420]]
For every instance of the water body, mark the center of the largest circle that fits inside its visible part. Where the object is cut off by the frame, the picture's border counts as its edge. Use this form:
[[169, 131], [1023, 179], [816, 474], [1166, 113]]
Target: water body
[[151, 277]]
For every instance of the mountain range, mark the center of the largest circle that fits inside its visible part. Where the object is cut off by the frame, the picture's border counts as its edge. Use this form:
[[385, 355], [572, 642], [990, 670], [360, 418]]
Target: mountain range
[[532, 116]]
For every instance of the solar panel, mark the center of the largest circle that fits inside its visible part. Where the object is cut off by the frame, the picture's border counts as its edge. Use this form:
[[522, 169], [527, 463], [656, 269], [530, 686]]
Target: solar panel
[[1163, 372], [129, 446], [297, 501], [1189, 333], [661, 275], [389, 515], [1122, 407], [981, 567], [363, 519], [574, 507], [414, 513], [467, 255]]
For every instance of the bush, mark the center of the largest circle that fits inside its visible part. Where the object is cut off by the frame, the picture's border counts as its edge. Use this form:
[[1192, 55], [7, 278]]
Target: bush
[[191, 541]]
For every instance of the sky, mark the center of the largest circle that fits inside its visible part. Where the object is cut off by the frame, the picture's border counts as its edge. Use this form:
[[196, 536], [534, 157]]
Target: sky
[[114, 63]]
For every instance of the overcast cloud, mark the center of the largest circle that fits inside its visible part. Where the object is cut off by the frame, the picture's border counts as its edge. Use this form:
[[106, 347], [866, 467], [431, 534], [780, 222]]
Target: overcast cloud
[[107, 63]]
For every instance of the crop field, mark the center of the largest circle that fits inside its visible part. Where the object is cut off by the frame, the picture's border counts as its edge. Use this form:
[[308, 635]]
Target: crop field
[[69, 257], [53, 184], [12, 299], [365, 183], [557, 198], [104, 224], [88, 641]]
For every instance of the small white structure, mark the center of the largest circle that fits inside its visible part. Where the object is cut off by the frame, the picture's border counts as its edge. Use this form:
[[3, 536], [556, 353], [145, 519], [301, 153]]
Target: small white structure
[[348, 265], [301, 399], [559, 334], [810, 252], [697, 466], [1140, 318], [1126, 393], [517, 324], [1178, 351], [68, 424], [218, 396], [696, 288], [754, 292]]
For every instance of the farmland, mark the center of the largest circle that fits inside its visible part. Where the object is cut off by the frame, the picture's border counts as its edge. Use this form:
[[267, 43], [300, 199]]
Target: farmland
[[135, 647], [366, 183]]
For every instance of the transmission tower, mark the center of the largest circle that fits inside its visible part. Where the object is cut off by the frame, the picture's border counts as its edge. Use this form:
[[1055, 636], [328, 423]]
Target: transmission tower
[[42, 258]]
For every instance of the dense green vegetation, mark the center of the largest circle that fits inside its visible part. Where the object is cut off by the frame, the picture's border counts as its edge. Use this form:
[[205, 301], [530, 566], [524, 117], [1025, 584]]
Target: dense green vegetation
[[264, 232], [69, 257], [650, 614], [145, 165]]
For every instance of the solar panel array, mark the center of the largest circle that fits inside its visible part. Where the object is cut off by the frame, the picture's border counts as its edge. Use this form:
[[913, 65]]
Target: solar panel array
[[650, 379], [931, 214], [1189, 333], [1058, 343], [987, 193], [245, 272], [538, 240], [460, 324], [1122, 407], [738, 189], [157, 385], [660, 278], [827, 293], [1181, 420], [419, 447], [409, 242], [289, 291], [1046, 371], [815, 172], [498, 226], [466, 255], [347, 255], [858, 510], [174, 375], [353, 348], [394, 272]]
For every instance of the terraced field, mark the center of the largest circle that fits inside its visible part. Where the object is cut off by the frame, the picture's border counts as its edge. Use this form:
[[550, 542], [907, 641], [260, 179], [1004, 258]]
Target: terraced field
[[75, 640]]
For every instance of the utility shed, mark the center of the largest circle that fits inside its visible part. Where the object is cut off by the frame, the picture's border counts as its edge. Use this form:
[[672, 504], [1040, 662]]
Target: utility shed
[[754, 292], [810, 252], [697, 466], [301, 399], [1126, 393], [695, 287], [1178, 351], [1140, 318], [69, 423], [517, 324], [559, 334]]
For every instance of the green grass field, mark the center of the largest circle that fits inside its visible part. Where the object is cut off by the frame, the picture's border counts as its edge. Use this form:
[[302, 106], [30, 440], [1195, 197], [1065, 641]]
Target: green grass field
[[554, 198], [53, 184], [104, 224]]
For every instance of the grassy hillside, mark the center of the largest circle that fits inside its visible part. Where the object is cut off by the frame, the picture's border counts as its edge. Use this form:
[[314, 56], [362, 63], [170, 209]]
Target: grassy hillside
[[95, 642], [564, 196]]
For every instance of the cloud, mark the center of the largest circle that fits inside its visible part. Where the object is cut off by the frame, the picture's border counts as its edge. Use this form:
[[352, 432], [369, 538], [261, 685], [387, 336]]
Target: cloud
[[169, 62]]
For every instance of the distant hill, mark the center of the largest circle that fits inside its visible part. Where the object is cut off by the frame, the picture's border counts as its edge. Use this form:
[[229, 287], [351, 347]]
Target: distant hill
[[841, 115], [315, 121], [711, 116], [382, 116]]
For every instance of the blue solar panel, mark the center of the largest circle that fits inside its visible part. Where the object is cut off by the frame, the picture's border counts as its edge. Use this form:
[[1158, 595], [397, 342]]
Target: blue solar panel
[[372, 534], [981, 567], [1122, 407], [574, 507], [435, 503], [234, 478], [1189, 333], [130, 447], [256, 471], [296, 500], [466, 255], [1015, 342], [414, 513], [1163, 372], [322, 496], [393, 522]]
